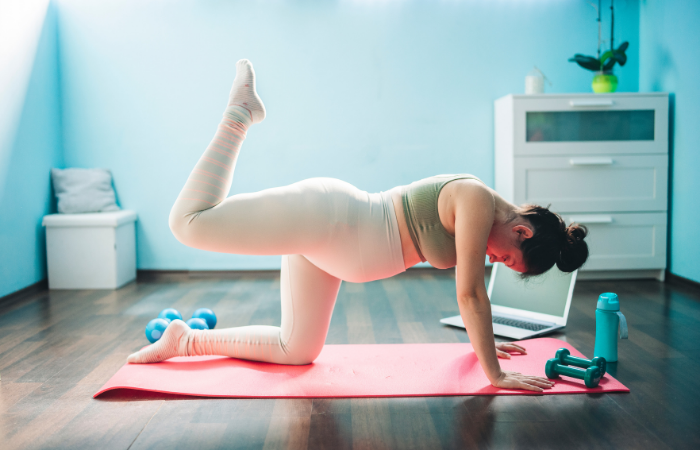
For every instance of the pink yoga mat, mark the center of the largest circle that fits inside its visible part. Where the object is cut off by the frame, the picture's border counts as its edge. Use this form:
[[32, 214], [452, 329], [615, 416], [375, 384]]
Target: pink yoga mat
[[382, 370]]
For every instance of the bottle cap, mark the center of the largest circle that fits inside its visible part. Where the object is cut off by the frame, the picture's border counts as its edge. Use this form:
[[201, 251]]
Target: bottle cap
[[608, 302]]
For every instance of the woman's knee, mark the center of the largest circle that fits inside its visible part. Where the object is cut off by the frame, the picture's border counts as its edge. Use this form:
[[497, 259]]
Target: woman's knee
[[183, 227], [300, 361], [301, 357]]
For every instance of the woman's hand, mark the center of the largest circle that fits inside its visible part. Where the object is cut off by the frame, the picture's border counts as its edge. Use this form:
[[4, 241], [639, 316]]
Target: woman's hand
[[502, 349], [516, 380]]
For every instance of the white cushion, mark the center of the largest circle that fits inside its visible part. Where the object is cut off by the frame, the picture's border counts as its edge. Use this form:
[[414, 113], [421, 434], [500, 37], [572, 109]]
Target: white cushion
[[83, 190]]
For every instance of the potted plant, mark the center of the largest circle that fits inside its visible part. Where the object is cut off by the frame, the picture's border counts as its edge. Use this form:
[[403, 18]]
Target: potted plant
[[604, 79]]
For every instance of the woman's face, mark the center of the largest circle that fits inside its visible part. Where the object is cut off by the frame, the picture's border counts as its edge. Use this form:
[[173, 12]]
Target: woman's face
[[503, 245]]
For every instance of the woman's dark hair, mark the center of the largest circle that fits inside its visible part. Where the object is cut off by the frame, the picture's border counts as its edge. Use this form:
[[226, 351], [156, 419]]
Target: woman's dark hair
[[553, 242]]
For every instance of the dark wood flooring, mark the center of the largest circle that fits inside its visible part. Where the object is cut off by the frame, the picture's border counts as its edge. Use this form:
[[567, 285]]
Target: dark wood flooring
[[57, 348]]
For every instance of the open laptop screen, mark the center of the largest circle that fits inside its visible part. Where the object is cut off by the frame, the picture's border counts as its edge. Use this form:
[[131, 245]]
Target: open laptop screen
[[545, 294]]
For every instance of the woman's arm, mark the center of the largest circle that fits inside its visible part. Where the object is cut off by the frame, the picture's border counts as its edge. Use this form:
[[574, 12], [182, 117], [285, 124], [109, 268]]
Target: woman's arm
[[474, 213]]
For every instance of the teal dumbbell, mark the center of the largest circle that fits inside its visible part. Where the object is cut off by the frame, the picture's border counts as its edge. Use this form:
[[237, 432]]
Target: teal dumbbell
[[565, 358], [591, 376]]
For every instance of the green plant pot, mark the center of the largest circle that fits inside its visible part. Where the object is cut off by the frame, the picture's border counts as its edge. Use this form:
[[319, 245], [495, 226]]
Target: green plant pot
[[604, 83]]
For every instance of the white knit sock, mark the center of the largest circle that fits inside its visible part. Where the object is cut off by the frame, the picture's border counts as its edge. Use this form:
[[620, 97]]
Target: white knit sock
[[243, 92], [172, 343]]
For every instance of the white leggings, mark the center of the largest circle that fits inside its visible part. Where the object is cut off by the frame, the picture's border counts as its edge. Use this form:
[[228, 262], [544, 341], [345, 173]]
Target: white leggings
[[328, 231]]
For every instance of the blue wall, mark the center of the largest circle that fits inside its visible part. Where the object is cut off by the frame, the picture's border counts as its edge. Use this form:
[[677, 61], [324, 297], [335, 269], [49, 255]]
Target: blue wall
[[669, 62], [374, 93], [27, 156]]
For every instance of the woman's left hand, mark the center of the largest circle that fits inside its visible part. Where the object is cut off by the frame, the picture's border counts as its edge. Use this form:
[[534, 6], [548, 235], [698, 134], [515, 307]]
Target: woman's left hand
[[502, 349]]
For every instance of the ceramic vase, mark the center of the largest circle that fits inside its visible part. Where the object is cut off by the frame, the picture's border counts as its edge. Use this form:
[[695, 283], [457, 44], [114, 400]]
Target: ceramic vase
[[604, 83]]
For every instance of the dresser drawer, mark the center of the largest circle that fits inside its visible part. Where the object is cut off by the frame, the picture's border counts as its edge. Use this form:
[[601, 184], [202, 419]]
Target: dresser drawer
[[606, 183], [576, 124], [624, 241]]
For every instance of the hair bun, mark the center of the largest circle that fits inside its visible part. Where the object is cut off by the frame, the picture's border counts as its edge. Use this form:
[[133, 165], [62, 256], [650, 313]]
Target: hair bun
[[574, 250], [552, 243]]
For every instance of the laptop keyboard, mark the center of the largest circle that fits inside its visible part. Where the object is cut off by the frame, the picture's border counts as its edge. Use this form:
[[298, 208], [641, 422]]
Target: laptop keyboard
[[519, 324]]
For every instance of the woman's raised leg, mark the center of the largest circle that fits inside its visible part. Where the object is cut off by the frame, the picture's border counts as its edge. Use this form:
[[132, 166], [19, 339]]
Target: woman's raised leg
[[308, 297], [294, 219], [210, 180]]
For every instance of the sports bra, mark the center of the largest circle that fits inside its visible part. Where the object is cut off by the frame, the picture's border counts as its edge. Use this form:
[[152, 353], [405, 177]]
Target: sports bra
[[420, 206]]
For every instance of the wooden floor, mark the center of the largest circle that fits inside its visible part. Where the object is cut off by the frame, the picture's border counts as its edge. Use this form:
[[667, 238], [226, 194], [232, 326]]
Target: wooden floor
[[57, 348]]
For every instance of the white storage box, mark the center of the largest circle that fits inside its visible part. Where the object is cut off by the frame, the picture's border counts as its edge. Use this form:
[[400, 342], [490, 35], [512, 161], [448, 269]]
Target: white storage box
[[91, 251]]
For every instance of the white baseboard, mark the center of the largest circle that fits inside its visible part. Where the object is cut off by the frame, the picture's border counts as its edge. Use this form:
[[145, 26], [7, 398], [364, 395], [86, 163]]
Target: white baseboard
[[657, 274]]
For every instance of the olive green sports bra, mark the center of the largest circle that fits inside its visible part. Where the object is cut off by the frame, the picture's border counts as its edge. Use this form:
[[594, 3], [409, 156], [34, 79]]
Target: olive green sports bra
[[420, 206]]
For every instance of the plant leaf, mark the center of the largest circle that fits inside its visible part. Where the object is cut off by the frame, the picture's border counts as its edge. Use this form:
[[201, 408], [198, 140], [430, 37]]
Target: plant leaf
[[606, 56], [587, 62], [623, 46], [621, 57], [611, 57]]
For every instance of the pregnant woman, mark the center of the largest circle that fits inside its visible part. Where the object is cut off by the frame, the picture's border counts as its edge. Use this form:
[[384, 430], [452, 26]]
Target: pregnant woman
[[329, 231]]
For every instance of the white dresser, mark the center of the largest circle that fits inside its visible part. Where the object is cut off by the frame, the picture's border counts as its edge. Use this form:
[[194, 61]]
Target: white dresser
[[600, 160]]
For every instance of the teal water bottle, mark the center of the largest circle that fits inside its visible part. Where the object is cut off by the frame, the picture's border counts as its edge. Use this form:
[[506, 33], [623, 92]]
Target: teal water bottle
[[607, 320]]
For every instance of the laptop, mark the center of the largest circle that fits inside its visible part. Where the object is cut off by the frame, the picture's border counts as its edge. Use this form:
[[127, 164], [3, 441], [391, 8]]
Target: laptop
[[523, 309]]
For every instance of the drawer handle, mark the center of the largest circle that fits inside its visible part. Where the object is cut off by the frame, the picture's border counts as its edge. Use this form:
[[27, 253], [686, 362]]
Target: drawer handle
[[579, 103], [590, 219], [591, 161]]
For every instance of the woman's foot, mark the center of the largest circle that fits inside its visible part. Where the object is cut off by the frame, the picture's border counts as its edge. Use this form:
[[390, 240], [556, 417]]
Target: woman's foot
[[243, 93], [172, 343]]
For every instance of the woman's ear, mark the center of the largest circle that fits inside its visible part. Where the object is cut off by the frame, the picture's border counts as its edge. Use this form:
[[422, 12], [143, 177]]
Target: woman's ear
[[523, 231]]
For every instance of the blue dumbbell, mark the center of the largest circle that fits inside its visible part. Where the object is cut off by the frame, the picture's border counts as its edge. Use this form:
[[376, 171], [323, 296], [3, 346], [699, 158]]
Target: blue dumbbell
[[208, 316], [197, 324], [155, 329], [591, 376], [564, 357], [170, 313]]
